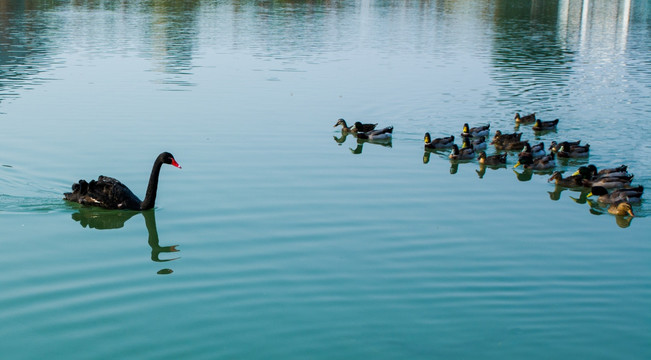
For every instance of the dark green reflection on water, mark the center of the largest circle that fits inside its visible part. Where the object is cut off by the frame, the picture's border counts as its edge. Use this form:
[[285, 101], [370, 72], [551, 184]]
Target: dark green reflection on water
[[528, 57], [101, 219]]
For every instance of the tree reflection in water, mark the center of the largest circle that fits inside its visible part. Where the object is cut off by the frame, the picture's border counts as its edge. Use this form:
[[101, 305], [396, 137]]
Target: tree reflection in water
[[101, 219]]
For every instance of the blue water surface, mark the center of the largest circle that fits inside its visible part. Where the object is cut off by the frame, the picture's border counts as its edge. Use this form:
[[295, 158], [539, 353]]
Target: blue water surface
[[281, 238]]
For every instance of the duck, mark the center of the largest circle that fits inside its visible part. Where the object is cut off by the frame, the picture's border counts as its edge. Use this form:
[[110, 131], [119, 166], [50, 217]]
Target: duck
[[591, 171], [381, 134], [500, 138], [358, 126], [632, 195], [574, 151], [544, 163], [554, 146], [612, 182], [498, 159], [463, 154], [475, 131], [573, 181], [527, 119], [536, 151], [478, 143], [512, 145], [621, 208], [438, 143], [544, 125], [109, 193]]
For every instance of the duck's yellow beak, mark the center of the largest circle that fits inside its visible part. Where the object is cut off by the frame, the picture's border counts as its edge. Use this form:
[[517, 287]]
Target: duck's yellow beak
[[630, 212], [516, 165], [576, 173], [589, 194]]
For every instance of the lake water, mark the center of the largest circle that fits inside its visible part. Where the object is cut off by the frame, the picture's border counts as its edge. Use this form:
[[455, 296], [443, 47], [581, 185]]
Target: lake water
[[279, 239]]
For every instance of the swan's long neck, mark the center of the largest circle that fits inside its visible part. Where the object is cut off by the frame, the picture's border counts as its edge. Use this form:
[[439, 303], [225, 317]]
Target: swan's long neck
[[152, 187]]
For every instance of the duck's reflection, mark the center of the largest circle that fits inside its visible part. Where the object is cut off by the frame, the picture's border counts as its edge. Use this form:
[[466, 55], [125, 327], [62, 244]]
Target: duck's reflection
[[597, 209], [361, 142], [556, 194], [342, 139], [482, 169], [101, 219]]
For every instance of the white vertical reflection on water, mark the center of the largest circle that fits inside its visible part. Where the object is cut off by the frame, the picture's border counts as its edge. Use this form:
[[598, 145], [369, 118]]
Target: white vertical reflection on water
[[291, 245]]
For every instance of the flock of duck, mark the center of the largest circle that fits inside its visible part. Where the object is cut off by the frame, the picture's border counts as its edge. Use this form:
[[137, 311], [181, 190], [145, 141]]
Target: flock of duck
[[612, 186]]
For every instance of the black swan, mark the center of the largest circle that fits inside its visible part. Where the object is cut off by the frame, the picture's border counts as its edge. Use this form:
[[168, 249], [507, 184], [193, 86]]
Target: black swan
[[109, 193]]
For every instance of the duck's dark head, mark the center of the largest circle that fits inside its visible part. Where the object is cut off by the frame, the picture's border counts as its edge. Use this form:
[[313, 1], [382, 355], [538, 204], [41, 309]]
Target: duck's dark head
[[455, 149], [586, 172], [341, 122], [538, 123], [466, 128], [598, 190], [526, 159], [358, 125], [168, 158], [517, 117], [466, 142], [428, 138], [482, 156]]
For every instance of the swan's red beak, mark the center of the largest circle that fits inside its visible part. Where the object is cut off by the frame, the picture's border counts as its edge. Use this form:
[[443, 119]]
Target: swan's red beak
[[174, 163]]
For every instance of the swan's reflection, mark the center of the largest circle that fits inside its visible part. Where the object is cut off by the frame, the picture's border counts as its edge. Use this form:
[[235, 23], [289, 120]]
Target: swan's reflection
[[101, 219]]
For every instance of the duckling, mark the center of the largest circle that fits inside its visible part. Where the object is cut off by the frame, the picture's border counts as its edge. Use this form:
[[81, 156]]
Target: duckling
[[633, 195], [355, 128], [554, 146], [500, 138], [381, 134], [438, 143], [527, 119], [478, 143], [572, 181], [591, 172], [544, 125], [498, 159], [621, 208], [476, 131], [543, 163], [463, 154], [575, 151]]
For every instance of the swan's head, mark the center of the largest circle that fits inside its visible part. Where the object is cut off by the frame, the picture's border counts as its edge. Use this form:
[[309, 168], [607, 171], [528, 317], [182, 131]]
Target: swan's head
[[168, 158]]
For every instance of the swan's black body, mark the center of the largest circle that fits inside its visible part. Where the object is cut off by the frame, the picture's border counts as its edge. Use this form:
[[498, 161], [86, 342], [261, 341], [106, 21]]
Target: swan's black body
[[110, 193]]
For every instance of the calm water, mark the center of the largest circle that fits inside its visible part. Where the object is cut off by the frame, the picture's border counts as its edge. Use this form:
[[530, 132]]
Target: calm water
[[281, 240]]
